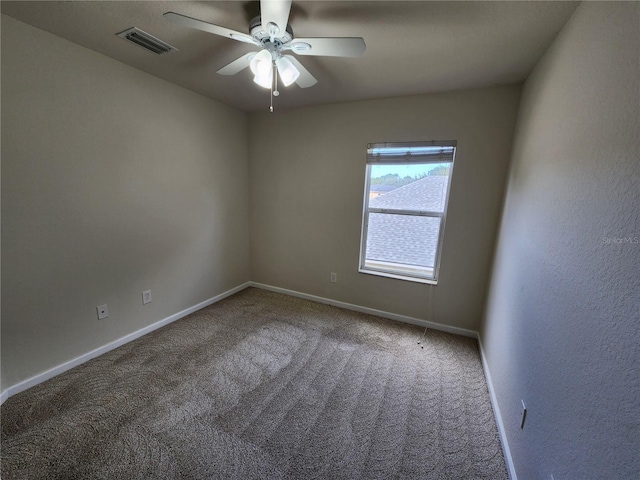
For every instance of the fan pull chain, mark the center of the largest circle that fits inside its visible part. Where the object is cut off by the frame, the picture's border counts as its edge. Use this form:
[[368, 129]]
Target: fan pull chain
[[274, 93], [271, 106], [275, 76]]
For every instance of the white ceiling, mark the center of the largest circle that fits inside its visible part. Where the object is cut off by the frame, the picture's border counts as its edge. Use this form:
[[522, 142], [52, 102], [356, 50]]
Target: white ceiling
[[413, 47]]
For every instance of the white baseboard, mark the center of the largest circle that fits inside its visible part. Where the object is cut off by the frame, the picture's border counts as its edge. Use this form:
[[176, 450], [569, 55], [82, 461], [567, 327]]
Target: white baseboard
[[57, 370], [371, 311], [498, 416]]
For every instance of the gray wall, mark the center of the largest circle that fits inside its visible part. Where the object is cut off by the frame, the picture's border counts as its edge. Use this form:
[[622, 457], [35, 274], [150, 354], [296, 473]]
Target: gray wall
[[113, 182], [562, 326], [307, 184]]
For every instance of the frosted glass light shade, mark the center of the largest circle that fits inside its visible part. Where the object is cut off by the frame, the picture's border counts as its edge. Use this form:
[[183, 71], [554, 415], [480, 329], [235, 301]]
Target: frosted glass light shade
[[287, 70], [262, 68], [263, 80]]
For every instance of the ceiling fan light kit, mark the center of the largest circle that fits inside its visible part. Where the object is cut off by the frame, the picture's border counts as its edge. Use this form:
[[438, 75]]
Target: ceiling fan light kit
[[261, 65], [272, 33], [287, 70]]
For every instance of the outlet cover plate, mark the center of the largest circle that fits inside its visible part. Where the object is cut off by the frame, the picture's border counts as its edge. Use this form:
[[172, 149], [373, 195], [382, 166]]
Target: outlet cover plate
[[103, 312], [146, 297]]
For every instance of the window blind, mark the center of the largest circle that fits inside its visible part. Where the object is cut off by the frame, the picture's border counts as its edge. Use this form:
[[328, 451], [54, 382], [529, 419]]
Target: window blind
[[409, 152]]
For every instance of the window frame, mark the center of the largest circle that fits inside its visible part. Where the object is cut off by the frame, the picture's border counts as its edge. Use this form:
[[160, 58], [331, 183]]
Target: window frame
[[406, 159]]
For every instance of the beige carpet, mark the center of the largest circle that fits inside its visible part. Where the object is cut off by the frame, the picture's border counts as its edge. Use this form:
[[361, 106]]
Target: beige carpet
[[262, 386]]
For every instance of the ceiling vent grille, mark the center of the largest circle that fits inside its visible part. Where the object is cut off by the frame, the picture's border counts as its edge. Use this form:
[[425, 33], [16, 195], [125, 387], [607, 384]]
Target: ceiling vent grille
[[147, 41]]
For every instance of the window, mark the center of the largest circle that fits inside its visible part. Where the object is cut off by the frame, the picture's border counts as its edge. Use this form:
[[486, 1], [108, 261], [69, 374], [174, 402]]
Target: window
[[405, 207]]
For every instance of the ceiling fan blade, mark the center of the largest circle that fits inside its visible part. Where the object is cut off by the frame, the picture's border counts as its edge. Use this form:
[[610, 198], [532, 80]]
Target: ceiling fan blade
[[237, 65], [305, 80], [208, 27], [276, 12], [329, 46]]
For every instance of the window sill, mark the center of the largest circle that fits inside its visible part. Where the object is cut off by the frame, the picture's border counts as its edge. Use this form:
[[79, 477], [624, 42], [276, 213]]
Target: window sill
[[398, 276]]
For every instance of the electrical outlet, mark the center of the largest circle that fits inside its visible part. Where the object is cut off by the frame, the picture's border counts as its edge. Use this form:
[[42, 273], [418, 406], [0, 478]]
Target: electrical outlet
[[334, 277], [523, 414], [103, 312], [146, 297]]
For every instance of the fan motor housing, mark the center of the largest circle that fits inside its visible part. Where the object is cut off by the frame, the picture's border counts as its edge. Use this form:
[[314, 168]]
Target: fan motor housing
[[261, 35]]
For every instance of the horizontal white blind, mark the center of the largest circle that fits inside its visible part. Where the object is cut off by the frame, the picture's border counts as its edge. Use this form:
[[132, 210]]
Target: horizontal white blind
[[409, 152]]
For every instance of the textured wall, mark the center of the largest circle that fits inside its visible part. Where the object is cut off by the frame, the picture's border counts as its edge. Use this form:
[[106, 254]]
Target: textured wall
[[562, 324], [307, 183], [113, 182]]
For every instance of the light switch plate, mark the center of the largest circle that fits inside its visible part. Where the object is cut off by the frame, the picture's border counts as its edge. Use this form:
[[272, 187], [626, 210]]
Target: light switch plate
[[146, 297]]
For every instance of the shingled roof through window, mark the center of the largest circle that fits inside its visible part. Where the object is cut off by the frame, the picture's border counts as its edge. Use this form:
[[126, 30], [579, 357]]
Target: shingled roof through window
[[407, 239], [426, 194]]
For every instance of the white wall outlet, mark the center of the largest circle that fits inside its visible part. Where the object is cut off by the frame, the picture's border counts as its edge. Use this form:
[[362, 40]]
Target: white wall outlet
[[334, 277], [146, 297], [523, 414], [103, 312]]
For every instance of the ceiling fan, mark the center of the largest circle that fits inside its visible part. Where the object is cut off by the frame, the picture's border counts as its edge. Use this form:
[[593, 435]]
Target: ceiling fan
[[271, 32]]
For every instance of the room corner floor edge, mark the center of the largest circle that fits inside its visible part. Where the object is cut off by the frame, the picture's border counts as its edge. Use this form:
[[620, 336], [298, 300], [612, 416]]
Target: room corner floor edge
[[496, 413], [57, 370], [371, 311], [63, 367]]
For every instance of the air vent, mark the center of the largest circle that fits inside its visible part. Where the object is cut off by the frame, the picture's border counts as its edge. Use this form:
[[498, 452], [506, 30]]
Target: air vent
[[147, 41]]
